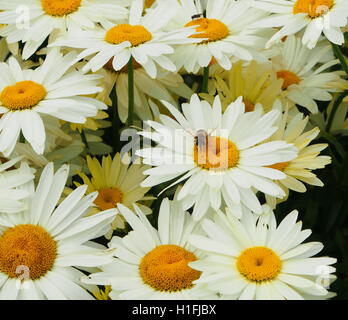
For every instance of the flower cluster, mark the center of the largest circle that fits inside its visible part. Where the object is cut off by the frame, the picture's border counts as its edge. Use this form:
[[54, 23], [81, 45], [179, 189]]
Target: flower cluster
[[147, 147]]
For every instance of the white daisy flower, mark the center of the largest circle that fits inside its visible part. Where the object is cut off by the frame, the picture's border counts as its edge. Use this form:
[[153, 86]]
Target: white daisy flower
[[153, 264], [305, 80], [257, 83], [50, 89], [140, 38], [299, 170], [12, 185], [32, 21], [221, 155], [224, 33], [54, 242], [313, 16], [116, 180], [253, 258]]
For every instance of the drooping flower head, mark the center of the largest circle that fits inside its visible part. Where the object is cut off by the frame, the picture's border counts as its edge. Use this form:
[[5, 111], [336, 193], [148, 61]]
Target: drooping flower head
[[116, 181], [256, 83], [299, 170]]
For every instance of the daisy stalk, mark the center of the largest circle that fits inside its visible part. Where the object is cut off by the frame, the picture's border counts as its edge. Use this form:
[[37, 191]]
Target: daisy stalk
[[334, 109], [205, 79], [130, 91], [340, 56], [115, 119], [84, 139]]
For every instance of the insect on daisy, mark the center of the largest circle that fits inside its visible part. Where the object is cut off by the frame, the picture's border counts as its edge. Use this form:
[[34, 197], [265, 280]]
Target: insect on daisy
[[225, 162], [313, 16], [141, 38], [253, 258], [52, 89], [42, 248], [32, 21], [153, 264], [224, 33]]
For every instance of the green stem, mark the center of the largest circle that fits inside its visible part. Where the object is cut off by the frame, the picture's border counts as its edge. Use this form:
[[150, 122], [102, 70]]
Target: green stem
[[21, 138], [205, 79], [331, 139], [116, 143], [340, 56], [334, 110], [84, 139], [130, 91]]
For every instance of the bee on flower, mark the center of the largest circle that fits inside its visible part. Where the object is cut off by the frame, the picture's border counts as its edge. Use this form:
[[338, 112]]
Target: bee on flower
[[226, 164]]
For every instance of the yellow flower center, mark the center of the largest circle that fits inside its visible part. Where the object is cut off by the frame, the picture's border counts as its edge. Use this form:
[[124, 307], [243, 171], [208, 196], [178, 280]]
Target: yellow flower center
[[165, 268], [259, 264], [59, 8], [314, 8], [26, 250], [279, 166], [249, 106], [108, 198], [288, 77], [22, 95], [215, 153], [211, 28], [125, 32]]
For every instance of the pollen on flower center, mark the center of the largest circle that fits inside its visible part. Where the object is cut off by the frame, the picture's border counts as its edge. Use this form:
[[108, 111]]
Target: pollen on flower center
[[259, 264], [210, 28], [165, 268], [289, 77], [22, 95], [60, 8], [26, 250], [314, 8], [215, 153], [108, 198], [125, 32], [279, 166]]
